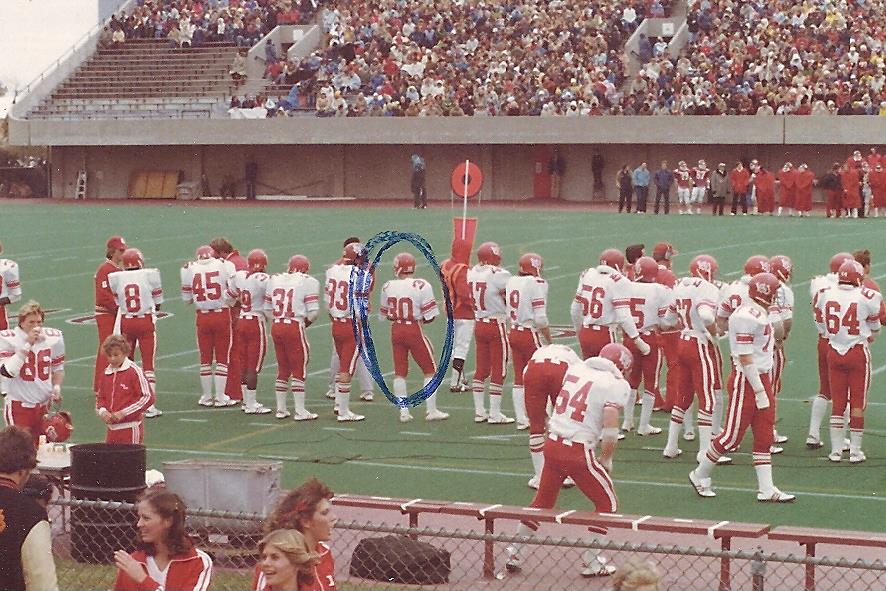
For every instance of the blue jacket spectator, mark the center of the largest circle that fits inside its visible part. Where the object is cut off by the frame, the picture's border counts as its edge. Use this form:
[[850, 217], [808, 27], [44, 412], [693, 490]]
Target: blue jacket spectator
[[640, 177]]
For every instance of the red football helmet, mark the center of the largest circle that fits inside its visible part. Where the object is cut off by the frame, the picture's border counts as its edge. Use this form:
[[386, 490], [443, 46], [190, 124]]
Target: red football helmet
[[781, 266], [612, 257], [667, 278], [133, 259], [489, 253], [404, 263], [257, 260], [299, 263], [850, 273], [645, 270], [531, 264], [704, 266], [352, 252], [57, 426], [756, 264], [762, 288], [619, 355], [838, 259], [205, 252]]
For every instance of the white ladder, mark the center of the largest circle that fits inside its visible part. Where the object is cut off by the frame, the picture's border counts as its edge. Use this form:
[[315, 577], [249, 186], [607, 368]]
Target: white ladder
[[81, 185]]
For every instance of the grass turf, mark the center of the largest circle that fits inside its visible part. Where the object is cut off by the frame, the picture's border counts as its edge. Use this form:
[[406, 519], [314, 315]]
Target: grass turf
[[58, 247]]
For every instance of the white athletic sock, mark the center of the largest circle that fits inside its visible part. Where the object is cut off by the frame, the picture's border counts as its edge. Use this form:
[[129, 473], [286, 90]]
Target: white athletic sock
[[764, 477], [364, 377], [836, 435], [432, 399], [494, 400], [206, 380], [689, 417], [281, 387], [538, 462], [454, 376], [298, 395], [519, 395], [855, 441], [249, 398], [705, 467], [819, 409], [343, 398], [717, 416], [333, 370], [646, 410], [220, 377], [704, 439], [627, 421], [523, 530], [673, 435], [478, 389], [846, 422]]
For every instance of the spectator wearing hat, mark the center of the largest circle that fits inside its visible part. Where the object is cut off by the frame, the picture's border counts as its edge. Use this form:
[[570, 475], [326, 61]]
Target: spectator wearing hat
[[663, 179], [719, 188]]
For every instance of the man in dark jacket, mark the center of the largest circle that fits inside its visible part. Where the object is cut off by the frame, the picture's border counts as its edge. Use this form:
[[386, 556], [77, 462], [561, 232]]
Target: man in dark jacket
[[663, 179], [25, 537], [833, 188]]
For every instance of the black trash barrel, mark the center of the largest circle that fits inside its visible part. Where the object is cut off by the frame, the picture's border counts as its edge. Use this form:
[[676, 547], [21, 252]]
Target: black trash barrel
[[106, 472]]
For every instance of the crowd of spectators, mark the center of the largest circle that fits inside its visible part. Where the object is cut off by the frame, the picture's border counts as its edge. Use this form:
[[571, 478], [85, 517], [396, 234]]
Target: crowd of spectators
[[816, 57], [190, 23]]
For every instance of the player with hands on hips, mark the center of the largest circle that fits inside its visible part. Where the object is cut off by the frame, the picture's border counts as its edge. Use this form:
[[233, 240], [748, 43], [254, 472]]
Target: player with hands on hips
[[32, 359], [124, 394], [249, 287], [751, 401], [527, 297], [488, 281], [649, 303], [139, 294], [586, 412], [601, 304], [409, 303], [292, 299], [850, 320], [205, 282]]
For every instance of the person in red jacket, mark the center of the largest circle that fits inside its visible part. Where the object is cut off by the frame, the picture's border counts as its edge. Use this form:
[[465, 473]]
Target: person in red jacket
[[805, 182], [124, 394], [455, 273], [787, 182], [850, 178], [764, 188], [308, 510], [105, 302], [225, 251], [739, 178], [286, 561], [863, 258], [166, 558], [877, 181]]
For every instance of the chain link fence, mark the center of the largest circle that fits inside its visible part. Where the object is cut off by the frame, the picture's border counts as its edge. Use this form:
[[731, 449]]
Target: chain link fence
[[379, 556]]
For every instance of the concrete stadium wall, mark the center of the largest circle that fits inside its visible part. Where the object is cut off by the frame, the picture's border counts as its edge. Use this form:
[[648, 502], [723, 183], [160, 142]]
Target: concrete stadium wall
[[383, 170]]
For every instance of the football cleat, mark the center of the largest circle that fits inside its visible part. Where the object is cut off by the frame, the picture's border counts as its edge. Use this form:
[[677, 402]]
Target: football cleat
[[522, 425], [481, 417], [405, 415], [702, 486], [689, 435], [206, 401], [330, 394], [671, 455], [258, 409], [775, 496], [224, 402], [775, 449], [835, 456], [350, 418], [568, 483], [814, 443], [153, 412], [437, 415], [500, 419], [514, 563], [627, 426], [643, 432], [857, 457], [621, 436], [459, 388], [282, 414], [367, 396], [304, 415], [534, 483], [724, 461], [780, 438]]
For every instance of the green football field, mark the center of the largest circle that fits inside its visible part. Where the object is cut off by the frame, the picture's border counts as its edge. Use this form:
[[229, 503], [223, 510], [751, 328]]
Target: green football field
[[58, 247]]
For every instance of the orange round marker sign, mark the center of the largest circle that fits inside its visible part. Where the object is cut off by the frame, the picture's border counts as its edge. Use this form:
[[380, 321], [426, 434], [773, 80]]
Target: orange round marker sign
[[467, 180]]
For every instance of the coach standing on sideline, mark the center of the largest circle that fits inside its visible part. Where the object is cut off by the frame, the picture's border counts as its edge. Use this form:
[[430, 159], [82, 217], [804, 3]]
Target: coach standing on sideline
[[25, 536], [105, 302], [225, 251], [663, 179], [417, 182], [640, 179]]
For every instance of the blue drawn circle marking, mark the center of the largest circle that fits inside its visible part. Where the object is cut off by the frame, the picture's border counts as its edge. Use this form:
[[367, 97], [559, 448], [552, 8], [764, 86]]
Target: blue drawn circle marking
[[358, 292]]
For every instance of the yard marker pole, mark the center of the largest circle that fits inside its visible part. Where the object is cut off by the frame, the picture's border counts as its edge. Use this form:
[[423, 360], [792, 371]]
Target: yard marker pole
[[464, 210]]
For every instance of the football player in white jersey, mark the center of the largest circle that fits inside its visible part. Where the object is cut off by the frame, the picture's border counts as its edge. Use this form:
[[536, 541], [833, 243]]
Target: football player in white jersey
[[340, 307], [205, 283], [292, 300], [10, 287], [781, 315], [527, 297], [409, 303], [249, 287], [820, 403], [488, 281], [649, 303], [139, 294], [602, 304], [32, 359], [586, 412], [751, 401], [850, 320]]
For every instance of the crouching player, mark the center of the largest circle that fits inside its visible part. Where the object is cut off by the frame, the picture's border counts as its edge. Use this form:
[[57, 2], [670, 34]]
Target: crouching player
[[124, 394]]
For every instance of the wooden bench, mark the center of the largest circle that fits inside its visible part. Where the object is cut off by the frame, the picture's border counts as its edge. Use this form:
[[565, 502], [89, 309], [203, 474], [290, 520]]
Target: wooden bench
[[411, 507], [810, 537]]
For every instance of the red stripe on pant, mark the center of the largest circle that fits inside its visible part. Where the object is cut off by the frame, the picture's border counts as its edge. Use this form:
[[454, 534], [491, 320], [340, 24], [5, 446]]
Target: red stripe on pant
[[232, 385], [214, 336], [824, 381], [542, 381], [408, 339], [645, 367], [695, 373], [141, 333], [253, 341], [850, 377], [105, 325], [14, 413], [592, 339], [742, 413], [345, 345], [670, 348], [292, 350], [492, 351], [134, 434], [523, 344]]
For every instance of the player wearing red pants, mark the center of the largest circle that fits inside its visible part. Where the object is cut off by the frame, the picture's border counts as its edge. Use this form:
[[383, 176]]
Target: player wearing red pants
[[124, 394], [292, 300], [602, 304], [543, 378], [32, 361], [223, 249], [249, 288], [850, 317], [455, 273], [695, 301], [820, 402], [751, 401], [205, 283], [781, 316], [409, 303], [527, 297], [139, 294], [488, 281], [669, 339], [586, 411], [105, 303], [649, 303]]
